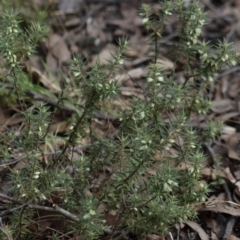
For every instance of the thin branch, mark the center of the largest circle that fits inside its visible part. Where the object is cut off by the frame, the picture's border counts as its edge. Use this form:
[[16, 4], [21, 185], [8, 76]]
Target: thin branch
[[10, 162], [13, 200], [55, 103], [62, 234], [66, 213], [55, 208], [9, 211], [74, 131]]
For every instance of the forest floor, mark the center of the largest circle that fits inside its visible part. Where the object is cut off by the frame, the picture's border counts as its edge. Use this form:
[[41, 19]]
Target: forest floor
[[90, 29]]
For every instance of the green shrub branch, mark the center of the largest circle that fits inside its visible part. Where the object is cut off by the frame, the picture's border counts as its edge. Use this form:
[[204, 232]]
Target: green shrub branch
[[141, 185]]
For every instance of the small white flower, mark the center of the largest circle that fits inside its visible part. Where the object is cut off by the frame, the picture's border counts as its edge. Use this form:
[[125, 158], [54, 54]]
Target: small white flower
[[166, 147], [39, 131], [43, 197], [166, 187], [193, 145], [198, 30], [194, 41], [9, 30], [142, 115], [149, 79], [192, 17], [100, 86], [76, 74], [145, 20], [36, 175], [91, 212], [191, 170], [120, 61], [143, 147], [167, 12], [226, 56], [86, 216], [210, 79], [223, 58]]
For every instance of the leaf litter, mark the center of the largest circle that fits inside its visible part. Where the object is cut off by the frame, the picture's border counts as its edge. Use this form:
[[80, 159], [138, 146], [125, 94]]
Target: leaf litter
[[93, 35]]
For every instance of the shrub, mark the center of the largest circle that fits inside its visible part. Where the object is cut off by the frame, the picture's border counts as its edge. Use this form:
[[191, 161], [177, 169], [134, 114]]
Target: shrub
[[142, 186]]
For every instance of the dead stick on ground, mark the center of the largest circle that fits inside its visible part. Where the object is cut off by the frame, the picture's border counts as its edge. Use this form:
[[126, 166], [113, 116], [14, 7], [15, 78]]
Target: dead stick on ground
[[55, 208]]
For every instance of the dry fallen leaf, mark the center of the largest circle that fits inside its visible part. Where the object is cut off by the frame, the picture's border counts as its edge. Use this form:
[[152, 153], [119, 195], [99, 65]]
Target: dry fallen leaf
[[153, 237], [232, 237], [165, 64], [45, 80], [195, 226], [222, 208], [105, 55], [69, 6], [233, 146], [58, 127], [222, 106], [58, 48]]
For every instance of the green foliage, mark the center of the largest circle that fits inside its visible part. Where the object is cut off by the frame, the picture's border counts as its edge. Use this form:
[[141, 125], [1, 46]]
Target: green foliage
[[145, 188]]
